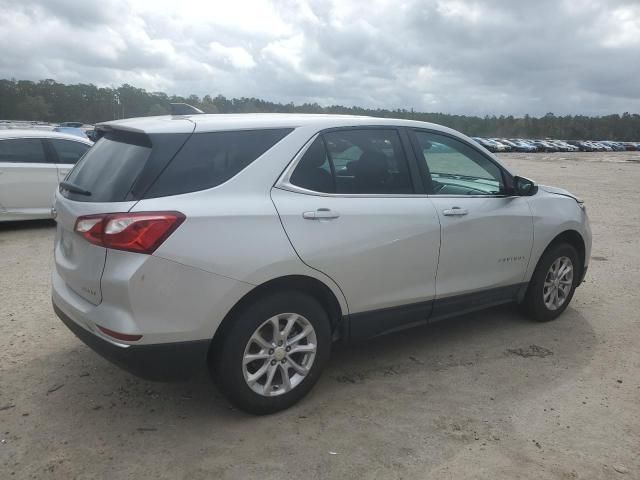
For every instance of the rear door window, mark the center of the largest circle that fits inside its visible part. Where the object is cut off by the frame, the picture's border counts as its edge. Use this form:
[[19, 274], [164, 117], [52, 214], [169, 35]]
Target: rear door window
[[315, 172], [68, 151], [210, 159], [22, 150], [355, 161]]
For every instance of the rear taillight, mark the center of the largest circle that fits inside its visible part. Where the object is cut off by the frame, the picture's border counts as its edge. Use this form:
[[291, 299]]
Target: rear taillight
[[140, 232], [120, 336]]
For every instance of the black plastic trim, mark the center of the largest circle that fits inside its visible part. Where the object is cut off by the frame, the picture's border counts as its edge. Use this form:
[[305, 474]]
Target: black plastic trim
[[161, 362], [469, 302], [584, 275], [378, 322]]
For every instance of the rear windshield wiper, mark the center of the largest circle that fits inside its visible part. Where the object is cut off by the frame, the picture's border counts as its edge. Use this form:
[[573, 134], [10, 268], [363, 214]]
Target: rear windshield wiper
[[73, 188]]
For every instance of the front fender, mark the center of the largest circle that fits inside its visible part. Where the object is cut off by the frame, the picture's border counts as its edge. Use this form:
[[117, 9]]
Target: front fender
[[554, 214]]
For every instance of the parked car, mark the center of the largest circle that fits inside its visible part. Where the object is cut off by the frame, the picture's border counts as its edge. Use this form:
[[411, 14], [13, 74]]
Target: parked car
[[512, 146], [488, 144], [606, 147], [91, 134], [598, 147], [581, 145], [78, 132], [491, 145], [32, 162], [502, 146], [566, 146], [544, 146], [246, 244], [614, 146], [523, 146]]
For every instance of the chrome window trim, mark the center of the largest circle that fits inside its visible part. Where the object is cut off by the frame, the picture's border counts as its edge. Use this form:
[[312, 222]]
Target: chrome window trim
[[284, 183]]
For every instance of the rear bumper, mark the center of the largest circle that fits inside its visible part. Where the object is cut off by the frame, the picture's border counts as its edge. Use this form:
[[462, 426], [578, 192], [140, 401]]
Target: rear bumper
[[162, 362]]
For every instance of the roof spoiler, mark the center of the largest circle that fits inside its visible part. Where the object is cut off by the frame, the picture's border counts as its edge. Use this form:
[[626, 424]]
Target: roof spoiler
[[184, 109]]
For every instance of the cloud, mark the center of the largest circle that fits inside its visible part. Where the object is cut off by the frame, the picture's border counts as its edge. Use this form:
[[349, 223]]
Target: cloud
[[454, 56], [237, 57]]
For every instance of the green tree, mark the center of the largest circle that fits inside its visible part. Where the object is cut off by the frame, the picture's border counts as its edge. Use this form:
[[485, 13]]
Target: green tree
[[53, 101], [33, 108]]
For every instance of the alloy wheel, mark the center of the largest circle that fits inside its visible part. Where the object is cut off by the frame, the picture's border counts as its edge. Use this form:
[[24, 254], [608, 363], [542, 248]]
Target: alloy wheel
[[558, 283], [279, 354]]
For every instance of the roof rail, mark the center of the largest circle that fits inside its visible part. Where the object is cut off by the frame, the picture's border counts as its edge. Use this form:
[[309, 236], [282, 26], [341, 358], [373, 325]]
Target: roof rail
[[184, 109]]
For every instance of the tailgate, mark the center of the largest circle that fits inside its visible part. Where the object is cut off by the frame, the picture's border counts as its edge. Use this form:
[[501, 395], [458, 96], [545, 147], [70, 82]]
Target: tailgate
[[78, 262]]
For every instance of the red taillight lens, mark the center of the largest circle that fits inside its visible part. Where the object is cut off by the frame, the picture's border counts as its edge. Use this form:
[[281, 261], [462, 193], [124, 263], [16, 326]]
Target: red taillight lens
[[120, 336], [141, 232]]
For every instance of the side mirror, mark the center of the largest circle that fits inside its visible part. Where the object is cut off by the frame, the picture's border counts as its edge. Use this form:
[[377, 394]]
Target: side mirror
[[524, 187]]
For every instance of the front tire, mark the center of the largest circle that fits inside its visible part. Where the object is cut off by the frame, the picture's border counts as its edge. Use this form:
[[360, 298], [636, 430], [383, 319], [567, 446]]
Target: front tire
[[273, 352], [553, 283]]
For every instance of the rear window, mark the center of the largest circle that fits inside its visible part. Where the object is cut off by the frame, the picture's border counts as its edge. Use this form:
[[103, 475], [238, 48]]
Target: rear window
[[110, 167], [124, 166], [209, 159]]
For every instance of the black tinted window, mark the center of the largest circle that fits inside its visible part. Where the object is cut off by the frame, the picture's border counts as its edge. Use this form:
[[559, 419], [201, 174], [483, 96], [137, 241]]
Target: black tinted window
[[209, 159], [68, 151], [314, 170], [359, 161], [22, 150], [109, 169]]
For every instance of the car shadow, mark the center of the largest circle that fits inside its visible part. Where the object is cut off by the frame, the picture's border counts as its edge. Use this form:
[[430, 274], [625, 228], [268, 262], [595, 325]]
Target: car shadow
[[26, 225], [434, 355], [427, 393]]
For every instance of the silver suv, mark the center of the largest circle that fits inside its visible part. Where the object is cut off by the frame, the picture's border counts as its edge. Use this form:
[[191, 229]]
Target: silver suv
[[247, 244]]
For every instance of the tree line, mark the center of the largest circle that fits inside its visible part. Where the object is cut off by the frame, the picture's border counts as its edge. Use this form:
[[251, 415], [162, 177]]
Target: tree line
[[51, 101]]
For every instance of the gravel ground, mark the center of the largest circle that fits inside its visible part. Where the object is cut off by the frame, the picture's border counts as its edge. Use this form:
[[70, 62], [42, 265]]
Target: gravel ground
[[488, 395]]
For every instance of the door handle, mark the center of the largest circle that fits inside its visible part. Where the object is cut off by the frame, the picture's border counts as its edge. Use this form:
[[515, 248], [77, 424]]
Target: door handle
[[455, 212], [320, 214]]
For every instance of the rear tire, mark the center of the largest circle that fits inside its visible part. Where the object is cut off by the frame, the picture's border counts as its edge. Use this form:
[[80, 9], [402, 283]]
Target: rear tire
[[288, 358], [553, 283]]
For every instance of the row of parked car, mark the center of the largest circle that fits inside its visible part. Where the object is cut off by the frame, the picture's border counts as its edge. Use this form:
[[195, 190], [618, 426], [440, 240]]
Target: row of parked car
[[550, 145]]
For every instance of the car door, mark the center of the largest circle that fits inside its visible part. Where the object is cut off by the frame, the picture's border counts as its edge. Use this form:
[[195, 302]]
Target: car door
[[487, 234], [349, 206], [28, 179], [67, 153]]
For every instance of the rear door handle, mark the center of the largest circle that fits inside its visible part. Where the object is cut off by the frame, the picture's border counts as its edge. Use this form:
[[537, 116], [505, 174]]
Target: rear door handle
[[320, 214], [455, 212]]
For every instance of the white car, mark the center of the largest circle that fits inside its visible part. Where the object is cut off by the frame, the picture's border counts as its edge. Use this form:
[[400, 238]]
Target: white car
[[32, 163], [247, 244]]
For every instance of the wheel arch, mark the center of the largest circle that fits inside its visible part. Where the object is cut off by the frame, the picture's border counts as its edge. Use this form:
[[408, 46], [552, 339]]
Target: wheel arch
[[570, 236], [573, 238], [301, 283]]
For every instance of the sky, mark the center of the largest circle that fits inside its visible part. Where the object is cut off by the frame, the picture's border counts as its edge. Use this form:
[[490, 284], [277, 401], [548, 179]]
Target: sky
[[468, 57]]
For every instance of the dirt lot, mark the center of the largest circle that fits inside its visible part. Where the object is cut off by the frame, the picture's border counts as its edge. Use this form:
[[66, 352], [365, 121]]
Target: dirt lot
[[488, 395]]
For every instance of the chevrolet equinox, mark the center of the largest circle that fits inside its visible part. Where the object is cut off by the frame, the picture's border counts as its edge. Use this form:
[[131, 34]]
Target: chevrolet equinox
[[247, 244]]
